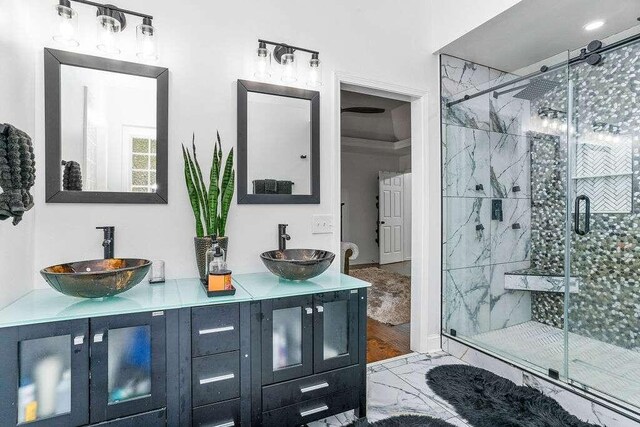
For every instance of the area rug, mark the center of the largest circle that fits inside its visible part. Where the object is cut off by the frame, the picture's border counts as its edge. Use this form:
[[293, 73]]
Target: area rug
[[405, 421], [389, 297], [487, 400]]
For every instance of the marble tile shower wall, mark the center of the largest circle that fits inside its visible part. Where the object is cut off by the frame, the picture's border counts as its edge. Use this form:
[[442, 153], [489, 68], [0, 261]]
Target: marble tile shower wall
[[607, 307], [485, 158]]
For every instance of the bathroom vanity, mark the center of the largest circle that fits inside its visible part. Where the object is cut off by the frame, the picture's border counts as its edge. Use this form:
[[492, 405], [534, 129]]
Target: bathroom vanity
[[275, 353]]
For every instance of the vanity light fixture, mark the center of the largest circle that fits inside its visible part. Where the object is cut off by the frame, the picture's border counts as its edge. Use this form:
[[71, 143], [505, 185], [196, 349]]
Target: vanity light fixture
[[111, 21], [263, 61], [146, 40], [110, 24], [285, 55], [67, 20], [315, 71], [288, 61]]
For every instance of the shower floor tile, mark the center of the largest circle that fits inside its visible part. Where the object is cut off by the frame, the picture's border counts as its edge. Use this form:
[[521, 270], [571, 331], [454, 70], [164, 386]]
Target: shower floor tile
[[601, 366]]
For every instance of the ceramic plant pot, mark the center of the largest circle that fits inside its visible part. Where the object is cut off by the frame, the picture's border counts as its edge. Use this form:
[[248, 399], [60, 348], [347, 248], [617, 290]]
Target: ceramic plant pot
[[202, 244]]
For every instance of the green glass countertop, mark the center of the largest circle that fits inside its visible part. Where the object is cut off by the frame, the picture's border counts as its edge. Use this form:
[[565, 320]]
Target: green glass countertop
[[267, 285], [48, 305]]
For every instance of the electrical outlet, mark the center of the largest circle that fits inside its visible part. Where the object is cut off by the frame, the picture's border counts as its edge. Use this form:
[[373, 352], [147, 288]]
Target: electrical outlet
[[322, 224]]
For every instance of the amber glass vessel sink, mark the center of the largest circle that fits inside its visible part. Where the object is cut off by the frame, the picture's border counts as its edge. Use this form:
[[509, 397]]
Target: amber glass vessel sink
[[297, 264], [96, 278]]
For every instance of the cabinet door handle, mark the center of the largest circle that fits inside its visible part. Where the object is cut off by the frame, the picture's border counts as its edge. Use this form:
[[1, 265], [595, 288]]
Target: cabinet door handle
[[314, 387], [79, 340], [309, 310], [314, 410], [216, 330], [225, 424], [217, 379], [319, 308], [99, 337]]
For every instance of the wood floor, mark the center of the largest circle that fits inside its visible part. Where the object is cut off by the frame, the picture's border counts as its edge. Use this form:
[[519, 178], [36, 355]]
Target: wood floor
[[385, 341]]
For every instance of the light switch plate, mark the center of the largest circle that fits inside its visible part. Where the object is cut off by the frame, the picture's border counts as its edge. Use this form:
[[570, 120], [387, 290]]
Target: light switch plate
[[322, 224]]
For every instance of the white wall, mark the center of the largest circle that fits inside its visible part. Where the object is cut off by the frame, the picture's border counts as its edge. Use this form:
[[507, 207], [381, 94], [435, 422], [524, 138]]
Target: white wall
[[208, 46], [16, 108], [359, 190]]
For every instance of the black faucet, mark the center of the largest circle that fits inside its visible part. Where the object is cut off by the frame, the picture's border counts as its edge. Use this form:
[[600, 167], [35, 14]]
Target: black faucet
[[283, 236], [109, 240]]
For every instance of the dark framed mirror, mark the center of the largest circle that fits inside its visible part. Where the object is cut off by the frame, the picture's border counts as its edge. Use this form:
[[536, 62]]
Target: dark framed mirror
[[106, 129], [278, 144]]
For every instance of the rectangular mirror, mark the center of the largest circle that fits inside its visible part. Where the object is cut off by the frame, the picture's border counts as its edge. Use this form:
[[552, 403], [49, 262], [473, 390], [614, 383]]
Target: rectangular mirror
[[106, 130], [278, 144]]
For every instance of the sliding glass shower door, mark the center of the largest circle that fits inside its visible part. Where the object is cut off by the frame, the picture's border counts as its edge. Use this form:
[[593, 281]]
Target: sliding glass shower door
[[603, 311]]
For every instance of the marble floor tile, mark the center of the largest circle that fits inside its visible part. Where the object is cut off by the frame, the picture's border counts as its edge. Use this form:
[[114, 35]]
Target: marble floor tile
[[389, 395]]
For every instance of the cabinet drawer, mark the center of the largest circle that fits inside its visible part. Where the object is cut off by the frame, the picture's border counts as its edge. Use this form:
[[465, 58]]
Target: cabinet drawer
[[311, 410], [149, 419], [215, 329], [215, 378], [223, 414], [290, 392]]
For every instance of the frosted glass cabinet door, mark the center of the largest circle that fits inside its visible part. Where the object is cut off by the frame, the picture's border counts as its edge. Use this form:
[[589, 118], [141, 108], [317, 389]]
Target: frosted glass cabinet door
[[49, 366], [287, 338], [335, 330], [128, 367]]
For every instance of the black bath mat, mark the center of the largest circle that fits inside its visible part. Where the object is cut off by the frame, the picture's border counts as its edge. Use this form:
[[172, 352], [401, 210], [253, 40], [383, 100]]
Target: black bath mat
[[405, 421], [487, 400]]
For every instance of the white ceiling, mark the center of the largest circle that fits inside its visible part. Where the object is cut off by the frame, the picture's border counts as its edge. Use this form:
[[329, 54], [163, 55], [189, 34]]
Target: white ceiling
[[391, 126], [534, 30]]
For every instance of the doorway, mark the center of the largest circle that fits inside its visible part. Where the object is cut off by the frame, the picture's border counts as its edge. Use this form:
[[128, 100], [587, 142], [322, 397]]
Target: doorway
[[375, 147]]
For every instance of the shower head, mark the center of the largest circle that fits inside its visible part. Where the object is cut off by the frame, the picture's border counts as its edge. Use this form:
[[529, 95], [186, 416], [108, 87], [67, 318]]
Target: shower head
[[536, 89]]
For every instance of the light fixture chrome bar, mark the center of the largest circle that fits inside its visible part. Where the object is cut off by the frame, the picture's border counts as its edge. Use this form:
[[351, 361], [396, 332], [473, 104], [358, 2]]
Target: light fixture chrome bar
[[288, 45], [115, 8]]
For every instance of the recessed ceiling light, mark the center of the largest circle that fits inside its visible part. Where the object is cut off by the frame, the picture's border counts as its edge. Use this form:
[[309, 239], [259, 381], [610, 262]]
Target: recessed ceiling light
[[593, 25]]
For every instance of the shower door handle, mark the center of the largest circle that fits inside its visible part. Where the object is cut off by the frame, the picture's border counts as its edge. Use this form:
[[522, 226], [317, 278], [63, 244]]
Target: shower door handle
[[587, 215]]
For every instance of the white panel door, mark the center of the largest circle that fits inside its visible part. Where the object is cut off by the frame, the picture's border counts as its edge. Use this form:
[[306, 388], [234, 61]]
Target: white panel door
[[391, 217]]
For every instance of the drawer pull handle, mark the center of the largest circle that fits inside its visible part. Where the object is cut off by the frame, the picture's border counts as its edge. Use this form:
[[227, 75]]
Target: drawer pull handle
[[319, 308], [98, 337], [314, 410], [79, 340], [225, 424], [216, 330], [216, 379], [308, 310], [314, 387]]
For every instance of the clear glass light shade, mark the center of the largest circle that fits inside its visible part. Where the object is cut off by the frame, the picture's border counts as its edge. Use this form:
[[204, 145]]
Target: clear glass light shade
[[315, 73], [146, 42], [108, 34], [67, 26], [289, 74], [263, 63]]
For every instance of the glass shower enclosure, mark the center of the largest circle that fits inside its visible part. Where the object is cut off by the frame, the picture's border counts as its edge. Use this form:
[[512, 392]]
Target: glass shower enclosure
[[541, 216]]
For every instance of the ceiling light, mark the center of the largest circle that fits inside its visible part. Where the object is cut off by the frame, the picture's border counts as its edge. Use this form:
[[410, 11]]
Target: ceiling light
[[593, 25], [146, 40], [67, 20]]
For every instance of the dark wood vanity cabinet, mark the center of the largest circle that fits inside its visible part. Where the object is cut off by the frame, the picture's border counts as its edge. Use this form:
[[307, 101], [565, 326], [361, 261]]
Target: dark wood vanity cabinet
[[281, 361], [309, 357], [85, 371]]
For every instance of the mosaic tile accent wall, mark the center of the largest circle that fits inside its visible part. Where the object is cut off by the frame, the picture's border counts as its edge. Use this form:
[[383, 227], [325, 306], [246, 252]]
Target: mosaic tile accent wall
[[607, 259]]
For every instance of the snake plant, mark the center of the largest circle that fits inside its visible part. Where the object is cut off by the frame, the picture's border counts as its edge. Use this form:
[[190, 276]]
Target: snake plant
[[210, 206]]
